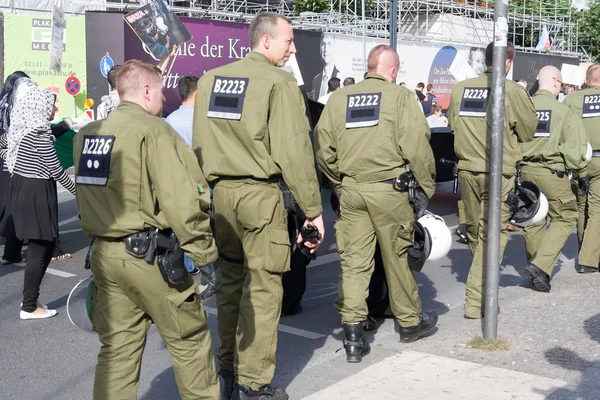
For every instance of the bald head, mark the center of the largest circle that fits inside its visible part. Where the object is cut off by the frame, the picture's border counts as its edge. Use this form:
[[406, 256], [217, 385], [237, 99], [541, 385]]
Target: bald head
[[550, 79], [592, 76], [384, 61], [141, 83]]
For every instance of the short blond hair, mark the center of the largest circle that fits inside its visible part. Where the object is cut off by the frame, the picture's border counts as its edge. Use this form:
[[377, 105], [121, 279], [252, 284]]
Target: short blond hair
[[375, 56], [134, 74]]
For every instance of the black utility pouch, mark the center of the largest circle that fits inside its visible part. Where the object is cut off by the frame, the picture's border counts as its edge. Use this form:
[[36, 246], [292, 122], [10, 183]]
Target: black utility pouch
[[170, 259], [137, 244], [288, 198]]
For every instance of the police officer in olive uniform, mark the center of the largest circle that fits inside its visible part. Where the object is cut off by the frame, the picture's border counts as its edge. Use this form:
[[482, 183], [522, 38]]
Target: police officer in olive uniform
[[367, 136], [470, 119], [134, 174], [586, 105], [250, 131], [559, 145]]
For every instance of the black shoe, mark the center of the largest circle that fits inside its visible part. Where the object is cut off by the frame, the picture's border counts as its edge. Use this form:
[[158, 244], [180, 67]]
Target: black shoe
[[266, 392], [461, 232], [540, 279], [228, 383], [355, 343], [412, 333], [584, 269], [296, 309]]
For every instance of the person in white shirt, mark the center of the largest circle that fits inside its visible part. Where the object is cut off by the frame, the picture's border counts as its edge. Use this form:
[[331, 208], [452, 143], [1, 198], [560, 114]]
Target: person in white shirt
[[436, 119], [333, 85]]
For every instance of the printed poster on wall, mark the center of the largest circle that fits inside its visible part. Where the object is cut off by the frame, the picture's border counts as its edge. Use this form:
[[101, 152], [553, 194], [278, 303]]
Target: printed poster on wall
[[214, 43], [31, 53]]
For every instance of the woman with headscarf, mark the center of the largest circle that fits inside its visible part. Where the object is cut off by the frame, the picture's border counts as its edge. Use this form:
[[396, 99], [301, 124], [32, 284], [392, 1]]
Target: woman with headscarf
[[30, 157], [13, 246]]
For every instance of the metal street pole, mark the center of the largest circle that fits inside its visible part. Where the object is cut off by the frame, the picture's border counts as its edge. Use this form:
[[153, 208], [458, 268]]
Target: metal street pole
[[394, 24], [364, 34], [490, 323]]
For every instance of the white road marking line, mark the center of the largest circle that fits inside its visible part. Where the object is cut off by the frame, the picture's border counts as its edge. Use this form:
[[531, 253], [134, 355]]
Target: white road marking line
[[70, 231], [563, 258], [68, 221], [62, 274], [282, 328]]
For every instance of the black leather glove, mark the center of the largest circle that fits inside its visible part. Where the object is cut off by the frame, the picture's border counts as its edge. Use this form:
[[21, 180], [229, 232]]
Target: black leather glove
[[309, 234], [420, 202], [210, 280], [584, 186]]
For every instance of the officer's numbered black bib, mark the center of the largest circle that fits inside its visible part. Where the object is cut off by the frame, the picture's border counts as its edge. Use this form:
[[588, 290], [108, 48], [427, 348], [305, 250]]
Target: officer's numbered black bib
[[591, 106], [474, 102], [543, 129], [362, 110], [94, 163], [227, 98]]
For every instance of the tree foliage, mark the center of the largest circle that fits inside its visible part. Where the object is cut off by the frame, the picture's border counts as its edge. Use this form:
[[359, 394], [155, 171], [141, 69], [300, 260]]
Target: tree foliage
[[316, 6], [589, 29]]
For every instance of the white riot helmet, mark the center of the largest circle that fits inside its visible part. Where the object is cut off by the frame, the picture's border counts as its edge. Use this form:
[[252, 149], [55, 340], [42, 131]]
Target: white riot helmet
[[589, 152], [532, 205], [79, 304], [431, 241]]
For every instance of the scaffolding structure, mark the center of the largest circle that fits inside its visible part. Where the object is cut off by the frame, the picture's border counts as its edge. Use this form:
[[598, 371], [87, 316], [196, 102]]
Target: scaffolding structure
[[466, 22]]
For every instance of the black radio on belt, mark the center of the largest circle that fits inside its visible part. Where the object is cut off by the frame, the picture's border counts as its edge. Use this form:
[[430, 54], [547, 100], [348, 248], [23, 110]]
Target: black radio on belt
[[403, 182]]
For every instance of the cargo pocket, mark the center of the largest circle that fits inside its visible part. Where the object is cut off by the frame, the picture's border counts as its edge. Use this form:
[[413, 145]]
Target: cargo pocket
[[277, 255], [339, 236], [404, 238], [189, 317]]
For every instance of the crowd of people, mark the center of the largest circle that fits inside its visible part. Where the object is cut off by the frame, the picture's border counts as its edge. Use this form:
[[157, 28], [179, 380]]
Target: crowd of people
[[229, 179]]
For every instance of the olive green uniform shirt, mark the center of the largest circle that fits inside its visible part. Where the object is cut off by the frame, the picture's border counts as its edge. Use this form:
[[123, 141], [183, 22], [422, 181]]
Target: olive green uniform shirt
[[250, 122], [560, 140], [470, 119], [585, 104], [153, 181], [369, 131]]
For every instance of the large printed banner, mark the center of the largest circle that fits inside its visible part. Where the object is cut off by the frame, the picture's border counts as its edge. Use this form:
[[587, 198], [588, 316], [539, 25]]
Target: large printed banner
[[27, 48], [320, 56], [214, 43]]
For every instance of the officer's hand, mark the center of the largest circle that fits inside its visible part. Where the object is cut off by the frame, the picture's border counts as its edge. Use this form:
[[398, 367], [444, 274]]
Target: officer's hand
[[584, 186], [420, 202], [317, 222]]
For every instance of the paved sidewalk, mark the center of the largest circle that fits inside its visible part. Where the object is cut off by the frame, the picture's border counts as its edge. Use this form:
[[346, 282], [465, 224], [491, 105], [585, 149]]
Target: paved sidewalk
[[412, 375]]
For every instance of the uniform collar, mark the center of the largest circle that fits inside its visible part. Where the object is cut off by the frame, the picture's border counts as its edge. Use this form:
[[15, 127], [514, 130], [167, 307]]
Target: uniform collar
[[254, 56], [545, 92], [375, 76], [130, 106]]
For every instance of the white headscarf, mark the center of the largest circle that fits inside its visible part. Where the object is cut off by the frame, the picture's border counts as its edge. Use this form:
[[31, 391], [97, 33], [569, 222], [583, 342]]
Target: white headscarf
[[30, 113]]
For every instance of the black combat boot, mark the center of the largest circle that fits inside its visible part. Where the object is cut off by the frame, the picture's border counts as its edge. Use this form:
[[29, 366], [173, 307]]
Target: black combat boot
[[540, 279], [584, 269], [266, 392], [355, 343], [412, 333], [227, 385]]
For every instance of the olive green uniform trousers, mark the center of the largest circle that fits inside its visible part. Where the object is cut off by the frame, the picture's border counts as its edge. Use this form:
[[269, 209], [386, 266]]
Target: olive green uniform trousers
[[129, 296], [475, 196], [588, 226], [544, 241], [253, 241], [374, 213]]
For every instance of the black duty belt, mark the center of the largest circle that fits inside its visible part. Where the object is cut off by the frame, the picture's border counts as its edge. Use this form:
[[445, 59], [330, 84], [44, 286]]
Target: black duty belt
[[560, 174], [596, 153]]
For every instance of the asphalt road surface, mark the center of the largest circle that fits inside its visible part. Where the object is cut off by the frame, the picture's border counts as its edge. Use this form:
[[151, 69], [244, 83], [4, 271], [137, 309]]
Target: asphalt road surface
[[52, 359]]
